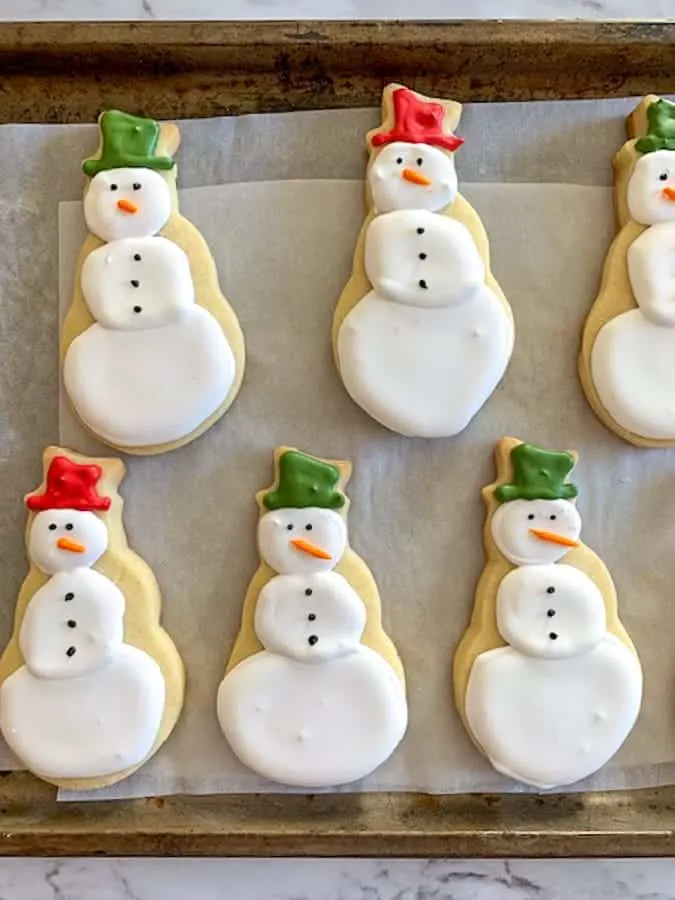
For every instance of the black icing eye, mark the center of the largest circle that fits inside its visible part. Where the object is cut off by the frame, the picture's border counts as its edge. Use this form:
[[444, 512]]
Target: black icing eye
[[113, 187], [308, 526], [419, 160], [137, 257], [138, 309], [312, 639], [663, 176], [289, 527], [550, 613], [422, 283], [311, 617], [136, 185], [52, 526], [531, 517], [69, 526], [553, 517], [399, 160], [553, 636]]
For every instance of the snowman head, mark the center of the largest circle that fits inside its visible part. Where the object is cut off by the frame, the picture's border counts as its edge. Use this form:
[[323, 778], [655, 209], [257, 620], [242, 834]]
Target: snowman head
[[412, 176], [537, 521], [64, 539], [551, 611], [126, 203], [651, 189], [419, 258], [137, 283], [310, 619], [66, 533], [302, 541], [303, 532], [531, 532]]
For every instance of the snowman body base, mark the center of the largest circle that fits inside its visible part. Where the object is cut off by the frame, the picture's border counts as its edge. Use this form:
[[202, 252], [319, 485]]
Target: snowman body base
[[313, 724], [424, 371], [140, 388], [552, 722], [634, 376], [89, 726]]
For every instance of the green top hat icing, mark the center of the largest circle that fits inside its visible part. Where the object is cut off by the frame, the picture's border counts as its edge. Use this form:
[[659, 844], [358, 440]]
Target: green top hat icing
[[127, 141], [305, 481], [660, 128], [538, 475]]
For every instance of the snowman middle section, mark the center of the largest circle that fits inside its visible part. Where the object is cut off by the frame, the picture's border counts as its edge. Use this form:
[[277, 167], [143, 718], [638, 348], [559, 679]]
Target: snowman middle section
[[304, 701], [423, 350], [546, 679]]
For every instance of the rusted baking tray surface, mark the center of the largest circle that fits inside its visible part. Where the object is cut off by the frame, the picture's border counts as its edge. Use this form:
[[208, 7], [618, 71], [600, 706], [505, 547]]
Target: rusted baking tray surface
[[63, 71]]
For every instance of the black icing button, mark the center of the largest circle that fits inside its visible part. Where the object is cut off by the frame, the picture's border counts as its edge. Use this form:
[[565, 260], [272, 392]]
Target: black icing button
[[69, 596], [308, 592], [311, 617], [135, 282], [553, 636], [550, 590], [70, 651], [422, 283], [71, 623], [137, 257], [420, 230], [550, 613], [312, 639], [422, 255], [138, 309]]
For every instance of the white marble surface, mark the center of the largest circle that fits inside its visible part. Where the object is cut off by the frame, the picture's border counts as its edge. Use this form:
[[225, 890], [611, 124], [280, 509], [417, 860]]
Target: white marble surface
[[136, 879]]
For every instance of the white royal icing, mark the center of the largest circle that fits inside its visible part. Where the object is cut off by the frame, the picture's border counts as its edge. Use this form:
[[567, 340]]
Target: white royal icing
[[313, 724], [88, 726], [144, 188], [72, 624], [553, 611], [137, 283], [647, 202], [311, 618], [512, 523], [423, 351], [551, 722], [82, 536], [652, 275], [634, 376], [153, 386], [324, 529], [391, 190]]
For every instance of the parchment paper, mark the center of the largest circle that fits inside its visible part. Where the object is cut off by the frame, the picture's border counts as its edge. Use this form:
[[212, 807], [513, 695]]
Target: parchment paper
[[284, 250]]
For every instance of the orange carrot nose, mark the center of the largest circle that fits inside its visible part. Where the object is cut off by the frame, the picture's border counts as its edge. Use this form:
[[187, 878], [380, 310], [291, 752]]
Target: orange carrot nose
[[553, 538], [127, 206], [415, 177], [668, 193], [73, 546], [312, 549]]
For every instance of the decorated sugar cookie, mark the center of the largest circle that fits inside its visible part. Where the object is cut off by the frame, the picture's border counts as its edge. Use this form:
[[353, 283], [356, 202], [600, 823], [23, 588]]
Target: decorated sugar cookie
[[422, 333], [546, 679], [152, 352], [90, 683], [626, 362], [314, 692]]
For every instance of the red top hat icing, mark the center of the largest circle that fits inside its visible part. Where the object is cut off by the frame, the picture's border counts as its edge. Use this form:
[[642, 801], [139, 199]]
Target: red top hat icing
[[70, 486], [417, 121]]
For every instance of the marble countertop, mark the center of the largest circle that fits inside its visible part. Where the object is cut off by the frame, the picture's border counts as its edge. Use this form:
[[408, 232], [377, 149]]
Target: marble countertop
[[160, 879]]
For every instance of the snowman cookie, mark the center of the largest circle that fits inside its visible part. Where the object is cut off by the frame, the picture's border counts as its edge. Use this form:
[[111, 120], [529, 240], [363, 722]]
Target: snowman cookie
[[546, 679], [628, 346], [90, 683], [422, 333], [314, 692], [152, 353]]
